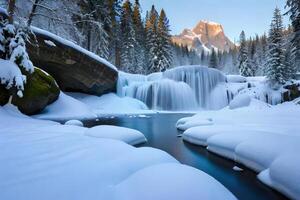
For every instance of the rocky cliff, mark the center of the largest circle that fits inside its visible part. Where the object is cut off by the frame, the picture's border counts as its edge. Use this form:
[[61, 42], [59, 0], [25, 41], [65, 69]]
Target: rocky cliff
[[204, 36]]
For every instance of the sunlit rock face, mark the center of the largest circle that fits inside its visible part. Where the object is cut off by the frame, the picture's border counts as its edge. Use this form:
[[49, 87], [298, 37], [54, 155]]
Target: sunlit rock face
[[178, 89], [204, 36]]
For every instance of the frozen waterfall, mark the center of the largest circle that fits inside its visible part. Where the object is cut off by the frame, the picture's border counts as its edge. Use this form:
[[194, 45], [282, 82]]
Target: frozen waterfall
[[178, 89]]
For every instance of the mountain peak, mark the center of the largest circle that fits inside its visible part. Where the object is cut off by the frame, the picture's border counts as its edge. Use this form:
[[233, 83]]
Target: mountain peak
[[208, 34], [209, 23]]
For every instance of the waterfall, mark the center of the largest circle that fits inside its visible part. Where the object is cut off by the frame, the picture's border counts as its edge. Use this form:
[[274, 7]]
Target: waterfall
[[178, 89]]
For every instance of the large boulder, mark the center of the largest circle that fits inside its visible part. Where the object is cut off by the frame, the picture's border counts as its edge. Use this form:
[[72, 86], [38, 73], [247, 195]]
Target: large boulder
[[40, 91], [74, 68], [292, 93]]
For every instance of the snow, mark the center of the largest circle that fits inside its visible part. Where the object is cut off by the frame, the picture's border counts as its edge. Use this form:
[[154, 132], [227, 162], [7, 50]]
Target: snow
[[238, 169], [112, 104], [46, 160], [158, 188], [11, 75], [66, 108], [73, 45], [50, 43], [236, 79], [262, 137], [79, 106], [241, 100], [74, 123], [127, 135]]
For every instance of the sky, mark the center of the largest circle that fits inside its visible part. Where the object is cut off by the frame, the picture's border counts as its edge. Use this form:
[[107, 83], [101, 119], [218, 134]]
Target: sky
[[252, 16]]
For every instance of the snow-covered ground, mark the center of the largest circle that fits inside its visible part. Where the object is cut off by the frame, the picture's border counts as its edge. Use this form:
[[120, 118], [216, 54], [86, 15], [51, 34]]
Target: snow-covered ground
[[262, 137], [82, 106], [46, 160]]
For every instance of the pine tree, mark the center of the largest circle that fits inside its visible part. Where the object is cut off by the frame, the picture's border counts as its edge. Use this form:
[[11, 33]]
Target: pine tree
[[140, 39], [243, 61], [294, 12], [14, 59], [276, 68], [129, 43], [94, 22], [115, 9], [213, 61], [164, 54], [152, 40]]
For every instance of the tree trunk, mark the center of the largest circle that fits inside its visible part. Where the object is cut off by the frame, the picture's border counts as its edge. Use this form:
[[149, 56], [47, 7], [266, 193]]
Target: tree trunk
[[11, 10], [33, 10]]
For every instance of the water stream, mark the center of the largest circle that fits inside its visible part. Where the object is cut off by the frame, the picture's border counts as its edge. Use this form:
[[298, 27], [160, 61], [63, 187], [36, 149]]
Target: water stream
[[161, 133]]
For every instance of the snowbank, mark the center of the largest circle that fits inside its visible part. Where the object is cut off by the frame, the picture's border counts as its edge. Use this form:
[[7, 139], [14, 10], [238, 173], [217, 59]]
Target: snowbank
[[159, 188], [81, 106], [262, 137], [45, 160], [127, 135], [66, 108], [112, 104], [236, 79], [241, 100]]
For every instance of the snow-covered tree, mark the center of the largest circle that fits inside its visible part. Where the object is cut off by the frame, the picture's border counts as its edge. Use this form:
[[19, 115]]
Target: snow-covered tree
[[151, 39], [294, 12], [164, 53], [129, 43], [140, 39], [243, 61], [92, 21], [213, 59], [114, 32], [276, 65], [14, 60]]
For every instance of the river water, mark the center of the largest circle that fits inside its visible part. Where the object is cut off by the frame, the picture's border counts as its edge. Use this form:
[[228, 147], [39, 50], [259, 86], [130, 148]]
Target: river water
[[161, 133]]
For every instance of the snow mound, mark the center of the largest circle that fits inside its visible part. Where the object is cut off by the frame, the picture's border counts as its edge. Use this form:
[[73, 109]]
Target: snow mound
[[242, 100], [74, 123], [236, 79], [111, 104], [186, 123], [127, 135], [262, 137], [66, 108], [159, 182]]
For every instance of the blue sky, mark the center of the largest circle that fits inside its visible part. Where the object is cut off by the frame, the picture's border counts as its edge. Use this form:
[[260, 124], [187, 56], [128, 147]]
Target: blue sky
[[253, 16]]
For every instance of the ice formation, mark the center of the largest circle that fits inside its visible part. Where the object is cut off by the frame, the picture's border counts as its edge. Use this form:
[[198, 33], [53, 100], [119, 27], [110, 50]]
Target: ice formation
[[181, 88]]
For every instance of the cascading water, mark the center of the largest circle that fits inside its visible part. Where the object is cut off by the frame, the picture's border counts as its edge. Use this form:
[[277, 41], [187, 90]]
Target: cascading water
[[178, 89]]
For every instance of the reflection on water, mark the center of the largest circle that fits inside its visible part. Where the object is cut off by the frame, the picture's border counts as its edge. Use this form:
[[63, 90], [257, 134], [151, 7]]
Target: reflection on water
[[161, 133]]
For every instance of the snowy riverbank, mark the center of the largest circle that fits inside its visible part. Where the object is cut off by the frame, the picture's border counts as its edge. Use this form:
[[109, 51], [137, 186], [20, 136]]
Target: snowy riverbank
[[45, 160], [262, 137]]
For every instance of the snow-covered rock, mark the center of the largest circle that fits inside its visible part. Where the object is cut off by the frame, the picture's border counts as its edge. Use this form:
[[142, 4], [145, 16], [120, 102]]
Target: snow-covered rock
[[239, 101], [127, 135], [74, 123], [73, 67]]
